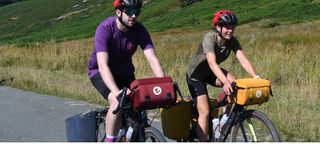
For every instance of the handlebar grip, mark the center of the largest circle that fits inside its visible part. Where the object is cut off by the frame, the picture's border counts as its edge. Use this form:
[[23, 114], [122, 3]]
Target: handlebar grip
[[233, 85], [121, 99], [222, 98], [116, 110]]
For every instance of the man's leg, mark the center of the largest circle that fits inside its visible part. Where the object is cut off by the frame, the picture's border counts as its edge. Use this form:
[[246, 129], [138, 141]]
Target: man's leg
[[113, 121]]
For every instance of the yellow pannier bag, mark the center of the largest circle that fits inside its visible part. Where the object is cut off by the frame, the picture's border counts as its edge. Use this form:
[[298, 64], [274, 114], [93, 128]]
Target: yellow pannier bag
[[176, 120], [252, 91]]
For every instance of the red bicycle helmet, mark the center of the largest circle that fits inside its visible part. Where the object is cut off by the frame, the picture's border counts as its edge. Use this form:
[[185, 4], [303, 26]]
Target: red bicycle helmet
[[118, 4], [224, 18]]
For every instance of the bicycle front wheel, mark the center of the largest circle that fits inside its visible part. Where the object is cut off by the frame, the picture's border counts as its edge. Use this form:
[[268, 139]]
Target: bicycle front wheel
[[254, 126], [154, 135]]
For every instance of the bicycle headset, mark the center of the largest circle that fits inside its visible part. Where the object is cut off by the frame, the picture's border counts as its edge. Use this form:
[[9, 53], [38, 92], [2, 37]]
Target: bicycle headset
[[130, 7]]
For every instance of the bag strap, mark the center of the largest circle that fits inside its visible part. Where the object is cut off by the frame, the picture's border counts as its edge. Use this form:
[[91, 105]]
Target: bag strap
[[177, 89]]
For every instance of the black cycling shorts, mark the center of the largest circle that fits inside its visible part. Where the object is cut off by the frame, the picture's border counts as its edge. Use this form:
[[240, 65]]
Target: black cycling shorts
[[120, 80], [197, 88]]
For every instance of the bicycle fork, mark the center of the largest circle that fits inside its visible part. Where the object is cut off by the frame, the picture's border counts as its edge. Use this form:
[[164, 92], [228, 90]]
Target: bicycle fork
[[251, 130], [234, 118]]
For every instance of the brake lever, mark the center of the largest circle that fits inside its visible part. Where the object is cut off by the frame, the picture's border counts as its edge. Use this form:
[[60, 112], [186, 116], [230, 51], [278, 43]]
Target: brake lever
[[122, 101]]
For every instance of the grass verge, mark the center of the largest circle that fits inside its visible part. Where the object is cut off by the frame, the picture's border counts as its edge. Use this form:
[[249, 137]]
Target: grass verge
[[288, 55]]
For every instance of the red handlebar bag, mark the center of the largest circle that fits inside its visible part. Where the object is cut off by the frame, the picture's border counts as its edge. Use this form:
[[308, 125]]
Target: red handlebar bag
[[152, 93]]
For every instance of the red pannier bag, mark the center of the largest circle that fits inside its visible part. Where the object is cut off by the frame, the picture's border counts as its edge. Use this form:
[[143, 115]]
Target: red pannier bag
[[152, 93]]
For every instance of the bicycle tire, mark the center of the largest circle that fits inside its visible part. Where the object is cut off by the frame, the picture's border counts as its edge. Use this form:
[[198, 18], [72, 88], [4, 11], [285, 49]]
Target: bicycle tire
[[101, 132], [101, 127], [154, 135], [263, 127]]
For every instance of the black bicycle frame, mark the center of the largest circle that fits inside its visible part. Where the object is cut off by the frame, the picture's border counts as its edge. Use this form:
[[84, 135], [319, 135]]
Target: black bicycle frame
[[234, 118], [138, 121]]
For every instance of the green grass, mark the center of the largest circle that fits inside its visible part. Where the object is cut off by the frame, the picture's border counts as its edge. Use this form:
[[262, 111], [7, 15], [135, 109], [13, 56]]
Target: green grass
[[32, 21], [288, 55], [281, 45], [47, 20]]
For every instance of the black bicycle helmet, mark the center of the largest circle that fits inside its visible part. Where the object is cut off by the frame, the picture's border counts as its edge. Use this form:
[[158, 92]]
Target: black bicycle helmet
[[224, 18], [120, 4]]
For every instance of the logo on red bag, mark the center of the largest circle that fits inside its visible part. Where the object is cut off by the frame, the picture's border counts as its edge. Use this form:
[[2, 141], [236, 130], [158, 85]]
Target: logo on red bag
[[157, 90]]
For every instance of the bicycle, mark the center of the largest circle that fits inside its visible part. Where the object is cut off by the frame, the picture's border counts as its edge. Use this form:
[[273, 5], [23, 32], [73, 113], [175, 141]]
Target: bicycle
[[138, 120], [242, 125]]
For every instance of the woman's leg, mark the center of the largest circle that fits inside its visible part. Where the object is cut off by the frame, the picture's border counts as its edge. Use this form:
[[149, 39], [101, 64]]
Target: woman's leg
[[198, 91], [202, 105]]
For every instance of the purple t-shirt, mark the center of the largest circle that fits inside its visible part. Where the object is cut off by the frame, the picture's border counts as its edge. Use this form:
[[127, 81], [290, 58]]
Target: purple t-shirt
[[119, 45]]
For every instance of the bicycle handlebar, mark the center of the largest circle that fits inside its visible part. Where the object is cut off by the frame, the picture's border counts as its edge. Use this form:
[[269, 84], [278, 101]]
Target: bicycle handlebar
[[121, 99], [233, 85], [223, 101]]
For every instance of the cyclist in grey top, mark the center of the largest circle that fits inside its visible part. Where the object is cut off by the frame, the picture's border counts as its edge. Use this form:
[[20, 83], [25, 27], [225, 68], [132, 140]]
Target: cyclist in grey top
[[110, 67], [204, 67]]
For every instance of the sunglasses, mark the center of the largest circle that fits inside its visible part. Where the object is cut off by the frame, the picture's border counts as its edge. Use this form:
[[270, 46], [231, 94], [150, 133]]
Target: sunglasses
[[132, 11], [229, 26]]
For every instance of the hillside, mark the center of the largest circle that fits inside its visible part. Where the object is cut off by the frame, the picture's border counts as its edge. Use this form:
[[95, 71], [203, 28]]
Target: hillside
[[60, 20], [276, 36], [288, 55]]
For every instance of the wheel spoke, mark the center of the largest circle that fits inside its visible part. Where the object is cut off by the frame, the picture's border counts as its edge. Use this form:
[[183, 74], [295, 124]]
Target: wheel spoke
[[254, 126]]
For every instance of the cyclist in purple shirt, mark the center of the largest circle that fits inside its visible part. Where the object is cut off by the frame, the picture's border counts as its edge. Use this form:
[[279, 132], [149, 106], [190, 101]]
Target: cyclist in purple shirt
[[110, 67]]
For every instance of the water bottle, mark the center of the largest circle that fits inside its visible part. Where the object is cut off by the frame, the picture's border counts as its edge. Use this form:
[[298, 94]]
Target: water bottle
[[121, 134], [223, 120], [129, 133], [215, 128]]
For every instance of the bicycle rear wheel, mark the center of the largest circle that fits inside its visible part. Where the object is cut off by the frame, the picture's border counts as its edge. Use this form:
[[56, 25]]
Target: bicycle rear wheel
[[101, 128], [101, 132], [154, 135], [254, 126]]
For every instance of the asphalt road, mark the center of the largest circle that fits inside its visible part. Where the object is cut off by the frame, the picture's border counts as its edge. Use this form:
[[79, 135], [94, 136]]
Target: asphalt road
[[31, 117]]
